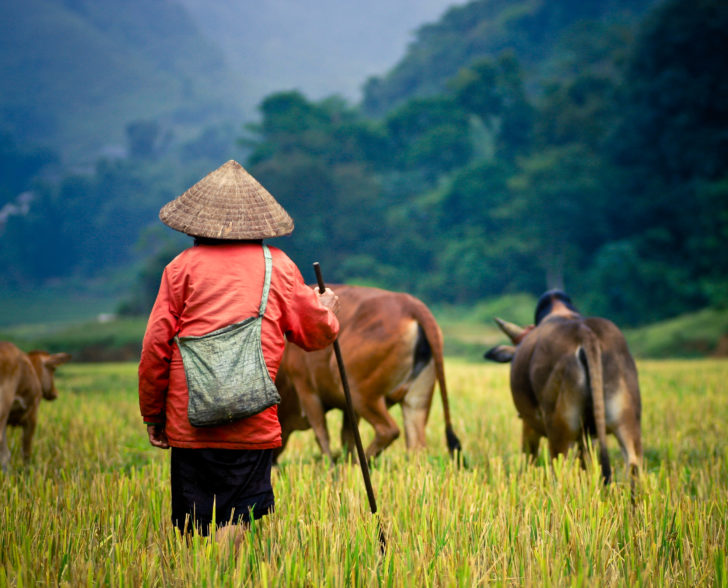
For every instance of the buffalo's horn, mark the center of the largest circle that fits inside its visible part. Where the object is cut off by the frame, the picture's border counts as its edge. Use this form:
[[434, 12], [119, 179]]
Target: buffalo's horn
[[514, 332]]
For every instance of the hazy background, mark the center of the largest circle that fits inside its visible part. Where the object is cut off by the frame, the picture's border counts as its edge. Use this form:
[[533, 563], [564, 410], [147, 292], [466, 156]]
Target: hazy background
[[471, 153], [75, 72]]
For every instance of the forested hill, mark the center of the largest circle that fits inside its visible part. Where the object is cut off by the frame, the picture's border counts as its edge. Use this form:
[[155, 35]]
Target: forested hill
[[534, 30], [609, 177], [600, 165], [76, 72]]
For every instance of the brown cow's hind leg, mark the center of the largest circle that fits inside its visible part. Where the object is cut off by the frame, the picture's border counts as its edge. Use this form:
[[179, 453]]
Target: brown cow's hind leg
[[385, 427], [4, 414], [316, 415], [416, 407], [28, 431], [348, 442], [4, 450]]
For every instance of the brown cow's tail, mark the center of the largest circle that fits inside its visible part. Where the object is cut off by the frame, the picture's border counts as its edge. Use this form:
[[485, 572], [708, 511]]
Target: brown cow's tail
[[591, 355], [434, 337]]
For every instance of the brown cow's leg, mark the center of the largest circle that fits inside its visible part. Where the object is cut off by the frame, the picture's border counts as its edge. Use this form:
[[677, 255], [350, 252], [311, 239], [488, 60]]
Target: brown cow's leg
[[316, 415], [348, 442], [28, 431], [416, 407], [385, 427], [415, 419], [4, 450], [5, 404]]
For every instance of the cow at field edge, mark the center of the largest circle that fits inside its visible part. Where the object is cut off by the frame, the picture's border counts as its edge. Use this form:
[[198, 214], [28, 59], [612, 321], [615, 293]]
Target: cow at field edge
[[25, 378], [392, 350], [572, 376]]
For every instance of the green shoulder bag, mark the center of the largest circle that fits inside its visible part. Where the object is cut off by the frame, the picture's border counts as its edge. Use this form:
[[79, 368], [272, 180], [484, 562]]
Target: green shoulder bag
[[227, 378]]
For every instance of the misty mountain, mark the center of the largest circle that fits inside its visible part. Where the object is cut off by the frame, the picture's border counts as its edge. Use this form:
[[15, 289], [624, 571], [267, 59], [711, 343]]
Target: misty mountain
[[319, 47], [75, 72]]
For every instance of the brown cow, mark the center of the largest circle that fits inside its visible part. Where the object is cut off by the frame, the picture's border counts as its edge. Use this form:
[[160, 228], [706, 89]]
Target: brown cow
[[392, 351], [572, 376], [24, 379]]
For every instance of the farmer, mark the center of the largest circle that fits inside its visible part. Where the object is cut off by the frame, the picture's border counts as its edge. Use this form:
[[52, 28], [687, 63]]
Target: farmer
[[222, 472]]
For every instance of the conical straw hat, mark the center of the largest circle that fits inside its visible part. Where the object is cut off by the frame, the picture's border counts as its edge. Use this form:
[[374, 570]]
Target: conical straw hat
[[227, 203]]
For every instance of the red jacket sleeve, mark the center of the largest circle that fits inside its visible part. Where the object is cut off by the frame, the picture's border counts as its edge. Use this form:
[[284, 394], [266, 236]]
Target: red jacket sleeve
[[309, 325], [157, 353]]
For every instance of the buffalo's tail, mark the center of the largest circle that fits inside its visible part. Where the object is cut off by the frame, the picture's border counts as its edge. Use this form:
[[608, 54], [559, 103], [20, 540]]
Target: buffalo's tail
[[592, 360]]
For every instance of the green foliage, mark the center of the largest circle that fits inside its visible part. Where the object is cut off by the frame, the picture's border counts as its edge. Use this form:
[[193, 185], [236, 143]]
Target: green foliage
[[515, 308], [494, 91], [700, 334], [88, 224], [559, 186], [116, 339], [670, 154], [487, 188], [314, 158], [483, 29], [675, 105], [623, 272], [35, 310], [141, 299], [19, 165], [430, 135]]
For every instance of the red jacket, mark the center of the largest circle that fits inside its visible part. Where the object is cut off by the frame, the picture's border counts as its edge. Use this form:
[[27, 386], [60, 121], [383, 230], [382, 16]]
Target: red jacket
[[208, 287]]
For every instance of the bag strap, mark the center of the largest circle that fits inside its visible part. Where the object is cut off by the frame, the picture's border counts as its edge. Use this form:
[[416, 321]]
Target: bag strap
[[266, 285]]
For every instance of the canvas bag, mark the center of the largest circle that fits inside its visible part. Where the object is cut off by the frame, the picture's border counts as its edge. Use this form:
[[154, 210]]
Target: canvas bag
[[227, 377]]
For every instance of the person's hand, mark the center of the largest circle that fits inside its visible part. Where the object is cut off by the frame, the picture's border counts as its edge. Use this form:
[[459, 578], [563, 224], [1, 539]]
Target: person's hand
[[157, 436], [328, 299]]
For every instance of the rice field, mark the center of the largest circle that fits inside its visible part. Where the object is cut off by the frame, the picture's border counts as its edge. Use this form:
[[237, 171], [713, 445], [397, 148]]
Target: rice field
[[92, 507]]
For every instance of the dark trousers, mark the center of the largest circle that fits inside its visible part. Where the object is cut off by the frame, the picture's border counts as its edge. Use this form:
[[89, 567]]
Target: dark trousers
[[229, 485]]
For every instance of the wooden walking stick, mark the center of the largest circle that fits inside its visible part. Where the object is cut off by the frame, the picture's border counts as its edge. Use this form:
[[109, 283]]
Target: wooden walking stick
[[352, 419]]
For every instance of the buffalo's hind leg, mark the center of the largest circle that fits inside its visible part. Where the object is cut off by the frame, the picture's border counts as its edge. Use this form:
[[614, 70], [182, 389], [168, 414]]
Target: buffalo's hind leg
[[530, 440], [630, 441]]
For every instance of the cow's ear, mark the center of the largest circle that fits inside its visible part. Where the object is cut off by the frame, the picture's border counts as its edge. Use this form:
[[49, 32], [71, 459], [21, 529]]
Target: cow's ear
[[501, 353], [57, 359]]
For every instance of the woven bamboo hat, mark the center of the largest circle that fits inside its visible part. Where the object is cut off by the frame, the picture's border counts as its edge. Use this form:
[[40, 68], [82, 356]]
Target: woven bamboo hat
[[227, 203]]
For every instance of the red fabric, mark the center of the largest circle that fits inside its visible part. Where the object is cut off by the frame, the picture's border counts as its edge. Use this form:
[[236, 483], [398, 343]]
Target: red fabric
[[208, 287]]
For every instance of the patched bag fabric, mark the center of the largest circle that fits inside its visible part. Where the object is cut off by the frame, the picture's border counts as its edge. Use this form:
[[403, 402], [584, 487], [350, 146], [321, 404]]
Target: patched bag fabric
[[227, 378]]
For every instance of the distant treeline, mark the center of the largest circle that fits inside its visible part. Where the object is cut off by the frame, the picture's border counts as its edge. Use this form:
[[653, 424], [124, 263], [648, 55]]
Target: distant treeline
[[602, 168]]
